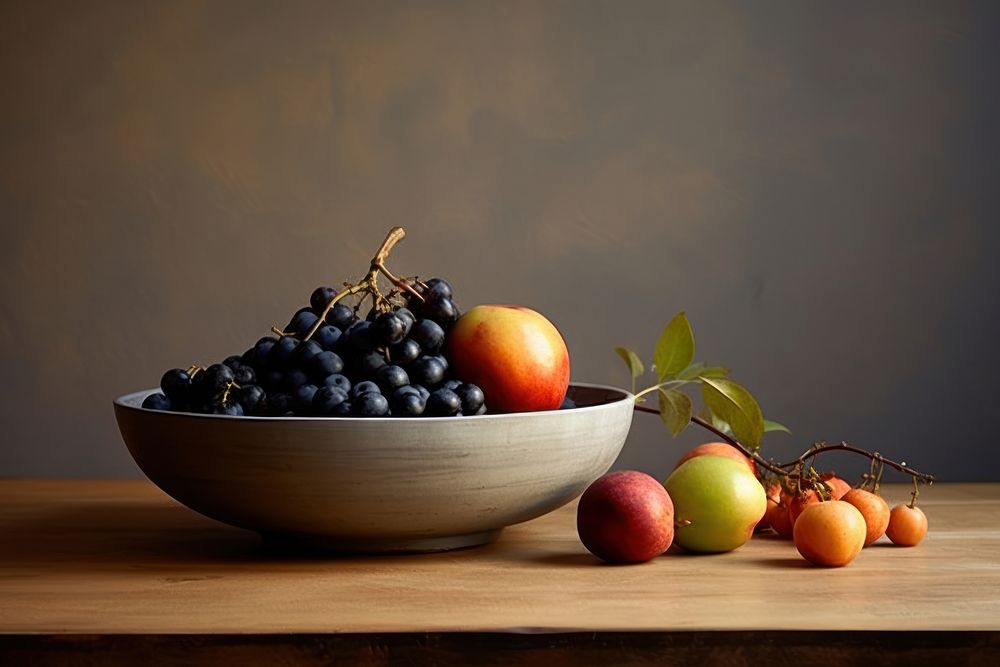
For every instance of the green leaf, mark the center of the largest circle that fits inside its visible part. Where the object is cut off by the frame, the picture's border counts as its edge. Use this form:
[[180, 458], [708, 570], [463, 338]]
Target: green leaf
[[691, 372], [699, 369], [714, 420], [771, 426], [675, 410], [632, 360], [736, 405], [719, 423], [675, 349]]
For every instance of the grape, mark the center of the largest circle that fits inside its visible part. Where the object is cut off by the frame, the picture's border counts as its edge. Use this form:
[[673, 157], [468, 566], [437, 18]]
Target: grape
[[407, 404], [327, 336], [359, 336], [252, 398], [305, 352], [326, 399], [427, 371], [320, 298], [265, 344], [304, 396], [339, 381], [341, 317], [295, 379], [176, 385], [302, 322], [325, 363], [273, 379], [389, 378], [280, 404], [472, 398], [281, 353], [405, 352], [232, 409], [217, 378], [441, 358], [440, 309], [443, 403], [342, 409], [370, 362], [568, 404], [245, 375], [428, 334], [438, 288], [156, 402], [259, 353], [233, 362], [370, 404], [348, 367], [366, 387], [388, 329], [408, 318]]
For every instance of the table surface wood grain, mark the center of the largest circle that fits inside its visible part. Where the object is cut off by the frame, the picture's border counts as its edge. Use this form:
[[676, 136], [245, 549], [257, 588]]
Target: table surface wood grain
[[121, 558]]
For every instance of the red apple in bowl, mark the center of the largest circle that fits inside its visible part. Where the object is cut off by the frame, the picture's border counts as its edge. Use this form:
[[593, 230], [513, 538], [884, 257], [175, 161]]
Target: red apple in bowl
[[626, 517], [514, 354]]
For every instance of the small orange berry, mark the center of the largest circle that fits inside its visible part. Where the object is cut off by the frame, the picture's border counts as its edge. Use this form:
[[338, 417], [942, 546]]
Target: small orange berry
[[829, 533], [907, 525], [873, 508]]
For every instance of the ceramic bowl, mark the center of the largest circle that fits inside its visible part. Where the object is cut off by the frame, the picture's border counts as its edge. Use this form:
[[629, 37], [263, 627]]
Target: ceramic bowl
[[381, 484]]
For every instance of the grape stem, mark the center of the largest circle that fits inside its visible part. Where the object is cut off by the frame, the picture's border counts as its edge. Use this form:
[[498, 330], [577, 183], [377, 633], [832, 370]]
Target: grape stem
[[794, 468], [369, 284]]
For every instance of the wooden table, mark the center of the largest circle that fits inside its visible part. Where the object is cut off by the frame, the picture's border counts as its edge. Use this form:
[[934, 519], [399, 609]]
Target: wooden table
[[119, 569]]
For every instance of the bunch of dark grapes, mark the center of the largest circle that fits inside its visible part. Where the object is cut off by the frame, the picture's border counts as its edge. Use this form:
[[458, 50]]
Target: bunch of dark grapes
[[391, 363]]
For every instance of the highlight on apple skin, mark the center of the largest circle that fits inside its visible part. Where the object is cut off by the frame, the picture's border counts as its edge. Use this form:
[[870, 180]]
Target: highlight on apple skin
[[514, 354]]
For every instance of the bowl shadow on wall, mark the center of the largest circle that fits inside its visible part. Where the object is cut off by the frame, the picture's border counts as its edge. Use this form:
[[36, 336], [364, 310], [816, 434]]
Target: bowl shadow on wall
[[382, 485]]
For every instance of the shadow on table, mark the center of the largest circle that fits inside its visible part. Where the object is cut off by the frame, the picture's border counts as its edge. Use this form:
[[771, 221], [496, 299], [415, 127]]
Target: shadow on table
[[790, 563], [106, 537]]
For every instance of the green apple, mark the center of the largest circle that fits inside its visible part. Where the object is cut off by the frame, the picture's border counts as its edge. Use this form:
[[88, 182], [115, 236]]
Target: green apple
[[717, 503]]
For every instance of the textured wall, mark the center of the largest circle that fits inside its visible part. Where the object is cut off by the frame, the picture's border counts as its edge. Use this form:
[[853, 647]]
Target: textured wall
[[815, 183]]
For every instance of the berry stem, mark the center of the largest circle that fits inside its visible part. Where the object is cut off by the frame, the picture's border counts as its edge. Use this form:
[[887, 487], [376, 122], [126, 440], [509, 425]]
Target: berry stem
[[369, 284], [913, 496], [395, 235], [661, 385], [797, 464], [820, 447]]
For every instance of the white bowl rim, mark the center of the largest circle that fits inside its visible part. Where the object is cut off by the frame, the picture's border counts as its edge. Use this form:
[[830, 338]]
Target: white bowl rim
[[132, 401]]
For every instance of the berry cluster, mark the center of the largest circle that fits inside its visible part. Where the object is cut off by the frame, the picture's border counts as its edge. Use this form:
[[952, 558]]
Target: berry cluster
[[391, 363]]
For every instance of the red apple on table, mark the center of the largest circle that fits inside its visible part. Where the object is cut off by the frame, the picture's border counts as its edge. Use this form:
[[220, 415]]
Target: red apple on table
[[515, 355], [718, 449], [626, 517]]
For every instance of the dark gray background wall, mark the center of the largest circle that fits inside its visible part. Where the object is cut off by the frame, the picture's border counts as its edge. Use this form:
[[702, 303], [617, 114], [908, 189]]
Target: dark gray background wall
[[815, 183]]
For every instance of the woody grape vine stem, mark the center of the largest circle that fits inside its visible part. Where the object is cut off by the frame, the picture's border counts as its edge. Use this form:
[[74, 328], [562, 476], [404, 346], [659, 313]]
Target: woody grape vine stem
[[368, 284], [818, 448]]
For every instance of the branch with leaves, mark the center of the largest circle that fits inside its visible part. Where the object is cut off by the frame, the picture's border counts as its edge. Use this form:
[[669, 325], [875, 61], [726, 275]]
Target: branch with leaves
[[730, 410], [729, 406]]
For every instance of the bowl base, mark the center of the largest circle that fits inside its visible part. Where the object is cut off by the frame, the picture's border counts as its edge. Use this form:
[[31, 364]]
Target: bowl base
[[373, 545]]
